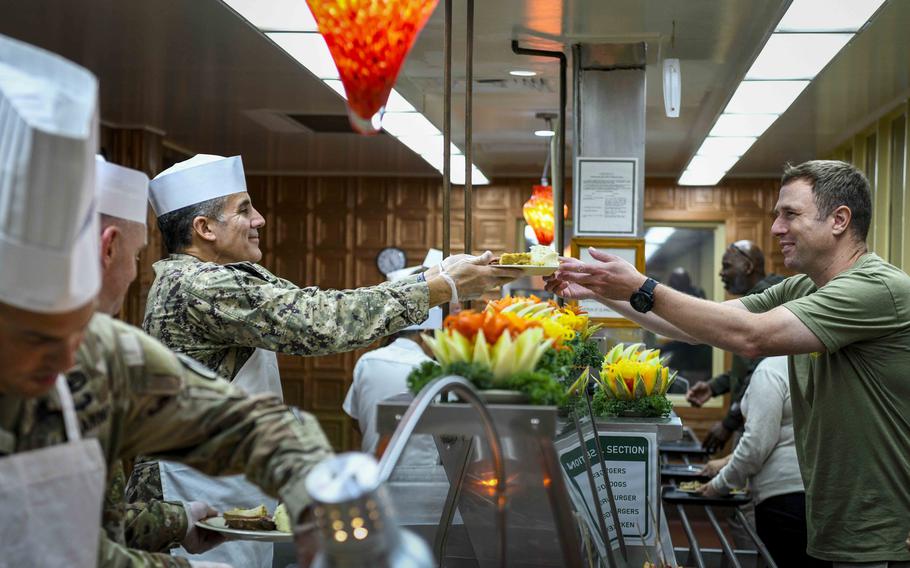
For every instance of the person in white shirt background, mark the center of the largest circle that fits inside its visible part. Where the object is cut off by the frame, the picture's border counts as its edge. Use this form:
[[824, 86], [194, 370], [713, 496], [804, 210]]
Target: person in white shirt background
[[765, 458], [382, 373]]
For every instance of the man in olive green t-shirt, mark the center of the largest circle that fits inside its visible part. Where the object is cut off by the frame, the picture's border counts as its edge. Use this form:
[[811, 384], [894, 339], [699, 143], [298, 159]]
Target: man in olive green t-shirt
[[844, 321]]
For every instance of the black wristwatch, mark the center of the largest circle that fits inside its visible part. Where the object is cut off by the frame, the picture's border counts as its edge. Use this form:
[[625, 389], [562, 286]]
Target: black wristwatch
[[643, 298]]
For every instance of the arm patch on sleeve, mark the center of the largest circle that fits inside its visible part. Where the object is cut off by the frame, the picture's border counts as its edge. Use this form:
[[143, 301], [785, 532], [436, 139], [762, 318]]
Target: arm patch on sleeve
[[197, 367]]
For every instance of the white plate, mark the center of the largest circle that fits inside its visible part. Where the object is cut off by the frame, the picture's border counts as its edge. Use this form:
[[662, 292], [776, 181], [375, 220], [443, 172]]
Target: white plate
[[217, 524], [530, 269]]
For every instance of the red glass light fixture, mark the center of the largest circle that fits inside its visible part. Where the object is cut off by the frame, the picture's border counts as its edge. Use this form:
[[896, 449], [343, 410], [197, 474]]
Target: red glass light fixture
[[538, 213], [369, 40]]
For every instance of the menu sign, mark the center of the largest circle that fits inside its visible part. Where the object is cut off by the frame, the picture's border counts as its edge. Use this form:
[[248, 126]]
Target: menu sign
[[605, 197], [631, 459]]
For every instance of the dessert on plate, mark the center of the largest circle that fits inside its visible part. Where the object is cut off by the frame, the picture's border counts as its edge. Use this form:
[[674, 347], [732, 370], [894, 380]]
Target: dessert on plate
[[538, 256]]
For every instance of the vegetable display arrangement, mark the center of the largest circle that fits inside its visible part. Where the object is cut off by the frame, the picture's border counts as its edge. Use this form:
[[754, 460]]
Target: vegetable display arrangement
[[520, 344], [633, 382]]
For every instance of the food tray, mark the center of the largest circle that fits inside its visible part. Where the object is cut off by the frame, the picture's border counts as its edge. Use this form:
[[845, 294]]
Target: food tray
[[673, 495], [689, 471]]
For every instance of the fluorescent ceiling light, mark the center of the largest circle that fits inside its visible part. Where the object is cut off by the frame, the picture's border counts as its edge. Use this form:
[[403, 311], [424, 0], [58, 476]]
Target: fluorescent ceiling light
[[764, 97], [711, 163], [827, 15], [310, 50], [427, 145], [544, 133], [397, 103], [703, 178], [742, 124], [400, 124], [522, 73], [796, 56], [337, 86], [457, 174], [400, 120], [725, 146], [276, 15], [806, 39]]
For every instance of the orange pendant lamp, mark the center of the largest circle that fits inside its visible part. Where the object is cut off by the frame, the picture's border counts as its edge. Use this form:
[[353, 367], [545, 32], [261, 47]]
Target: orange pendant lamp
[[368, 40], [538, 213]]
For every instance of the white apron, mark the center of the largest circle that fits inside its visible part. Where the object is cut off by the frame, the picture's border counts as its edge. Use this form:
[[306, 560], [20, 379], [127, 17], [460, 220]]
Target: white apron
[[182, 483], [52, 499]]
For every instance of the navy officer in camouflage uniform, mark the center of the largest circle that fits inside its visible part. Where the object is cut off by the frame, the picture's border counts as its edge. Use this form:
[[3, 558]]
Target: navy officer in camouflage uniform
[[79, 390], [212, 302]]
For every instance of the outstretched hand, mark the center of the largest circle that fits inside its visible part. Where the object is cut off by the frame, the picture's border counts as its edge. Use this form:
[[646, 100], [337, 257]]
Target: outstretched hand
[[699, 393], [474, 276], [609, 276]]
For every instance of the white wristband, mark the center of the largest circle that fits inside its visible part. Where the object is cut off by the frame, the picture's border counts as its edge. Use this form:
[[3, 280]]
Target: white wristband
[[454, 301]]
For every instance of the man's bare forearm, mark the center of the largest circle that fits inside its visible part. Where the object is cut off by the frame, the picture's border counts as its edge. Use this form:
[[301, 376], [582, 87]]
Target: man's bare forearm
[[728, 326], [650, 321]]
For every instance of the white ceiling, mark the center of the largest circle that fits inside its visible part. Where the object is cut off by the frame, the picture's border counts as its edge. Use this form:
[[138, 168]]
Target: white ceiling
[[197, 71]]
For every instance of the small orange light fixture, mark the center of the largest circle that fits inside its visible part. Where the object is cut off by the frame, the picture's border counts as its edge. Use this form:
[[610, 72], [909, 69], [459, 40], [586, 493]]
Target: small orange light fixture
[[538, 213], [369, 40]]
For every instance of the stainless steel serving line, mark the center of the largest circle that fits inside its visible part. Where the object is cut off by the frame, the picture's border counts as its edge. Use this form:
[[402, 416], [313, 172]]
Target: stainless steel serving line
[[689, 446], [542, 530]]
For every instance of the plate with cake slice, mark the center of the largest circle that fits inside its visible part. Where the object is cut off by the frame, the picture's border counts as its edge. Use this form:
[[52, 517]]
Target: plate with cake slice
[[252, 524], [540, 261]]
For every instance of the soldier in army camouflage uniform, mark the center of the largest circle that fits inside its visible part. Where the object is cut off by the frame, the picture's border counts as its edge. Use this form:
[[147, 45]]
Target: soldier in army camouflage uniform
[[154, 526], [136, 397]]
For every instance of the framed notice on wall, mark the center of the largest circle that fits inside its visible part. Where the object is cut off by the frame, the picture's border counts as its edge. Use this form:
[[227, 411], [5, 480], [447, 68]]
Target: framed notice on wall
[[630, 250], [606, 202]]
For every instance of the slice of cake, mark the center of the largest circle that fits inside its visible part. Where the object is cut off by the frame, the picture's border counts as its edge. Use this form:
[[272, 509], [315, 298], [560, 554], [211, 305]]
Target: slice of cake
[[543, 256], [282, 519], [255, 519], [513, 258]]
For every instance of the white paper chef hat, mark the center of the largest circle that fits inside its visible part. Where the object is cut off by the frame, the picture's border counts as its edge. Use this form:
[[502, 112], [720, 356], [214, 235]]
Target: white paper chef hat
[[49, 258], [122, 192], [193, 181]]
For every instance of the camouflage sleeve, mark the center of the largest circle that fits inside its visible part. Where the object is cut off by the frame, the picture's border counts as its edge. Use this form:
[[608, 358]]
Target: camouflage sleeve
[[155, 526], [180, 411], [242, 309], [113, 555]]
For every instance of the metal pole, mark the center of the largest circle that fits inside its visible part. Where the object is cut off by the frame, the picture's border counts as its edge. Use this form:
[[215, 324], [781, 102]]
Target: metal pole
[[724, 543], [447, 134], [468, 133], [451, 502], [694, 549], [606, 475], [559, 176], [762, 549], [559, 173]]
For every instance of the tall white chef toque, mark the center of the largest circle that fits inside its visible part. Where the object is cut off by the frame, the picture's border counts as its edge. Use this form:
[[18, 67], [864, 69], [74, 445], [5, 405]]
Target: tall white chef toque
[[121, 192], [201, 178], [48, 221]]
